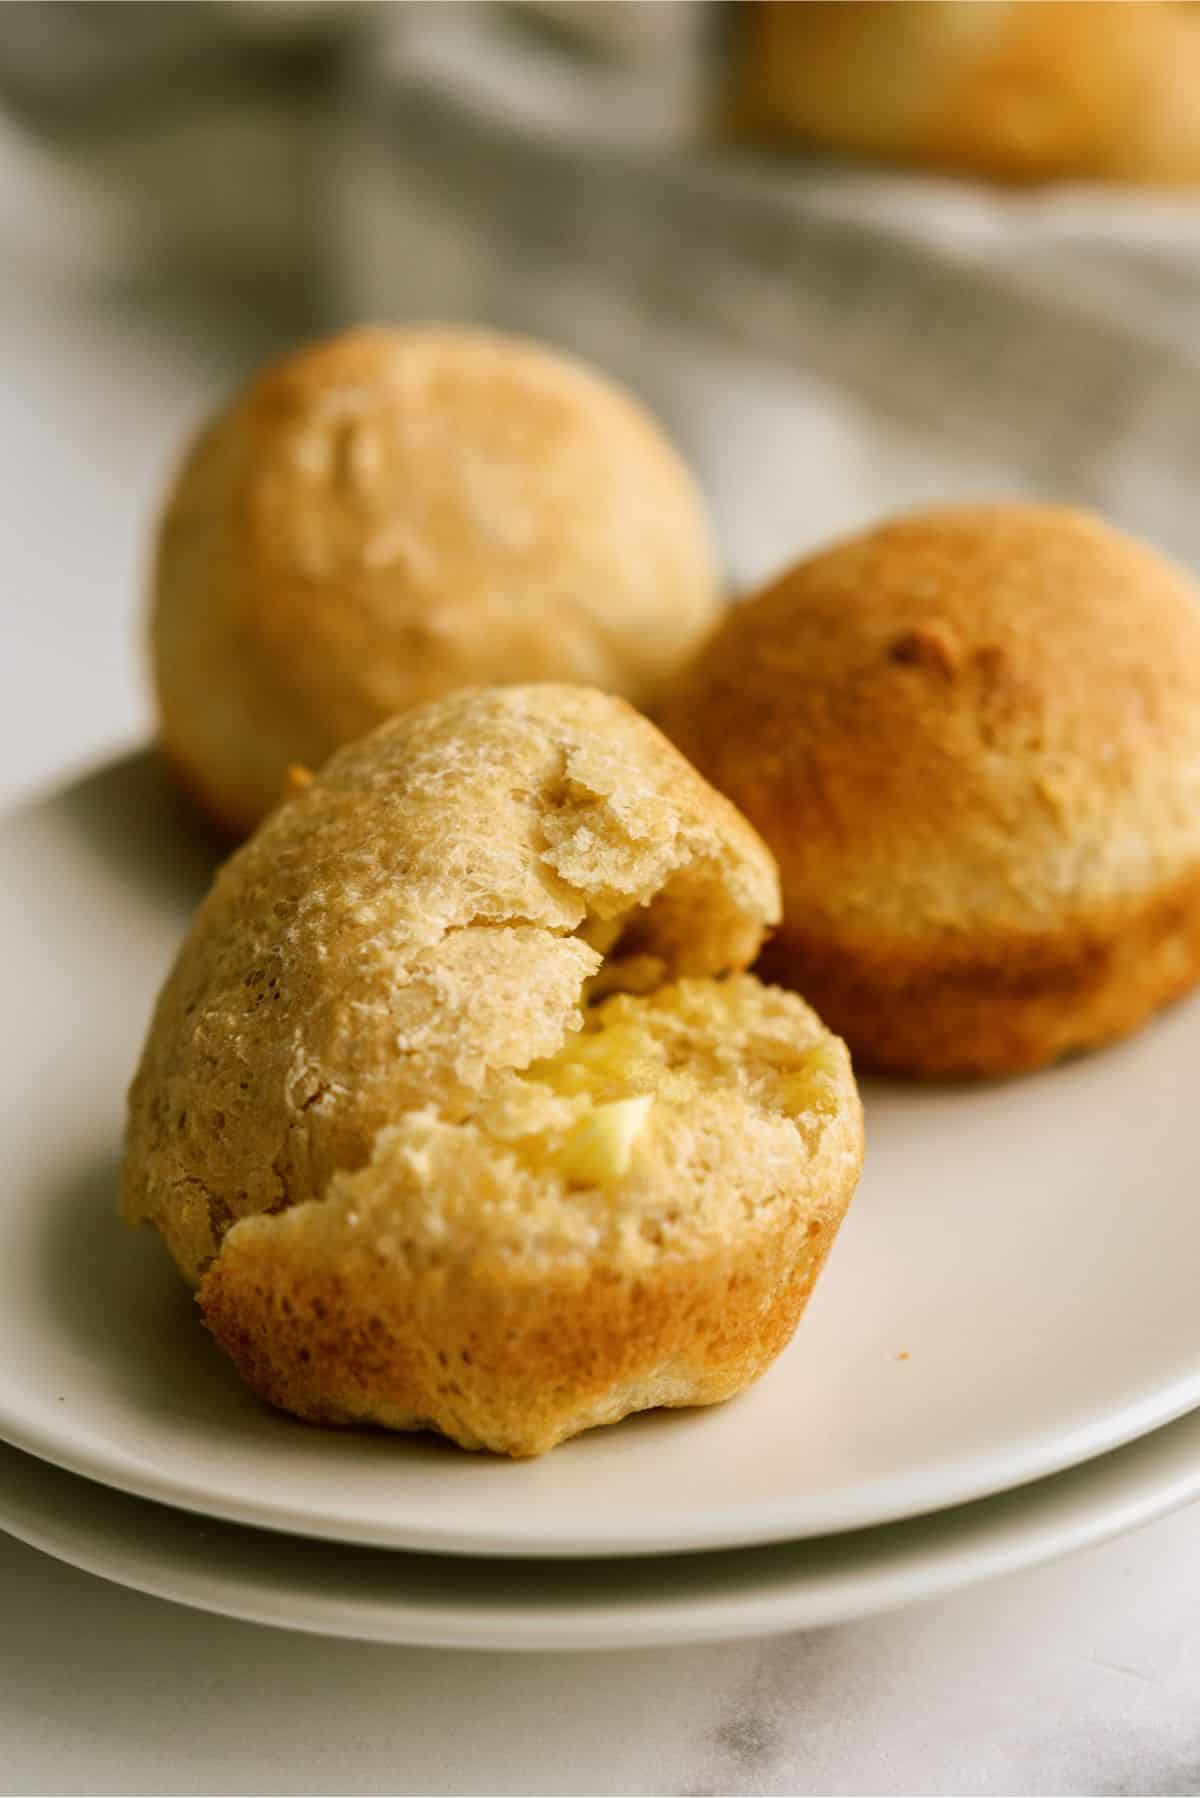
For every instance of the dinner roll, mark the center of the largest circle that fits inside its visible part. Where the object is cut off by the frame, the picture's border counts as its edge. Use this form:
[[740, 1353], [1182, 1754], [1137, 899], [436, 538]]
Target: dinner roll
[[972, 739], [1015, 91], [390, 514], [457, 1106]]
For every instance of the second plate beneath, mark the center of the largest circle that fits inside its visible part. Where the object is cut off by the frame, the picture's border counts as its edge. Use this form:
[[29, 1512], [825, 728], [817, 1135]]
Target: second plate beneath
[[444, 1601]]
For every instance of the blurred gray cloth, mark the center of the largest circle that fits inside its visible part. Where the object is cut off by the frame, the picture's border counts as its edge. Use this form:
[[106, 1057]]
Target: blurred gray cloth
[[828, 342]]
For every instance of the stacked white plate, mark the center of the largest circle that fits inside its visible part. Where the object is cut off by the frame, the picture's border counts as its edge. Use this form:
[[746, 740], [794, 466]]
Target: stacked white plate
[[990, 1373]]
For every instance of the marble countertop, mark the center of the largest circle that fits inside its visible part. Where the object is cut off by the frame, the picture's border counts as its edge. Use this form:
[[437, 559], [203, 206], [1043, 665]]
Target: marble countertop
[[1082, 1677], [1078, 1678]]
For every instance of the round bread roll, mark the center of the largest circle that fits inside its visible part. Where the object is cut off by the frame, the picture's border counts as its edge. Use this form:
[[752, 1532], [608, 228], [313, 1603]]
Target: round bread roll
[[456, 1105], [391, 514], [1019, 92], [972, 739]]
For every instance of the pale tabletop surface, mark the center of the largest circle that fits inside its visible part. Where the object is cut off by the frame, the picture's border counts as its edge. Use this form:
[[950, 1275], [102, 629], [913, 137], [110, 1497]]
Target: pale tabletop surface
[[1078, 1678]]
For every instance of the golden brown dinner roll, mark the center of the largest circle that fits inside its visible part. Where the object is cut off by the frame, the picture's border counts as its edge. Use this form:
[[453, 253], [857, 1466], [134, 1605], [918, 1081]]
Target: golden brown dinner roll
[[385, 516], [972, 739], [456, 1104], [1027, 91]]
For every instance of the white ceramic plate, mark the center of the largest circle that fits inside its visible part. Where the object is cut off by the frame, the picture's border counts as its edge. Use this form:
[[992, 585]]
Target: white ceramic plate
[[1030, 1248], [457, 1601]]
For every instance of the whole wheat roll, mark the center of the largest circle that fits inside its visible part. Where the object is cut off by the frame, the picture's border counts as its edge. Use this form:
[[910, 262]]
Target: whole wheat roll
[[1023, 91], [971, 737], [391, 513], [457, 1106]]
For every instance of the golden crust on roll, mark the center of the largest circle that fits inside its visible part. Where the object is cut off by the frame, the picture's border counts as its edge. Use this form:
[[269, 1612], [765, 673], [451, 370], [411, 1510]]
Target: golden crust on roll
[[971, 738], [1026, 91], [457, 1106], [390, 514]]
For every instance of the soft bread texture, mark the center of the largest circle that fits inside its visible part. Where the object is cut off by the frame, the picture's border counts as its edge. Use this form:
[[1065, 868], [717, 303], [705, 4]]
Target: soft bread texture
[[1018, 91], [390, 514], [382, 1114], [972, 740]]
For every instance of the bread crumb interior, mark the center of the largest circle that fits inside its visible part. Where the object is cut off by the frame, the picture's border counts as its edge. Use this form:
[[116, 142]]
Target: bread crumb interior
[[638, 1063], [661, 1123]]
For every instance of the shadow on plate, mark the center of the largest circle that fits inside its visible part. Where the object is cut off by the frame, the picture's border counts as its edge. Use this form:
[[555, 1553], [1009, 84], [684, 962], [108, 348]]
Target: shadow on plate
[[134, 816], [115, 1297], [112, 1291]]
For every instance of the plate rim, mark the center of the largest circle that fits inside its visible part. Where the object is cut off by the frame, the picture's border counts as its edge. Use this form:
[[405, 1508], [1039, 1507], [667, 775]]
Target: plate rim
[[659, 1532], [987, 1539]]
